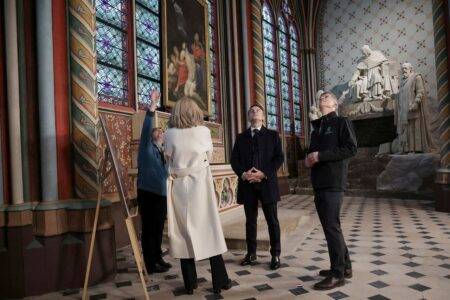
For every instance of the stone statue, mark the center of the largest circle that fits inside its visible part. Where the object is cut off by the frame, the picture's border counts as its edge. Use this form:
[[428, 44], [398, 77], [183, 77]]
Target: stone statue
[[314, 111], [372, 79], [415, 115]]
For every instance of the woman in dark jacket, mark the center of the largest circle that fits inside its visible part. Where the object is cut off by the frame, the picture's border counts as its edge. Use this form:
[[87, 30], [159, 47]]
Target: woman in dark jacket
[[151, 184]]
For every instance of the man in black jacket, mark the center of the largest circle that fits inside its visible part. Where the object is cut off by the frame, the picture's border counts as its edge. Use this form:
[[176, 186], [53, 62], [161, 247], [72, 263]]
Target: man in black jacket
[[332, 143], [257, 155]]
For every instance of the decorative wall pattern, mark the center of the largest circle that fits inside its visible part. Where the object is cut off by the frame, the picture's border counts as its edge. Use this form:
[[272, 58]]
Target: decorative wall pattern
[[119, 128], [226, 191], [401, 29]]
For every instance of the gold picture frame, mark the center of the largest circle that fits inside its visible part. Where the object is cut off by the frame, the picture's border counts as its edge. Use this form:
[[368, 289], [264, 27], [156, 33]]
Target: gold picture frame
[[186, 52]]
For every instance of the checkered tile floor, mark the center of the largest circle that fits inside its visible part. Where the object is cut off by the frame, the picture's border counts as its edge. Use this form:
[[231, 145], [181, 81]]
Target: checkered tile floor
[[400, 250]]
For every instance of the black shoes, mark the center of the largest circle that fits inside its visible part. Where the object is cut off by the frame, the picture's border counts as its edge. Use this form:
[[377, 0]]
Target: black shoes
[[275, 263], [160, 266], [226, 286], [348, 273], [191, 290], [249, 259], [156, 269], [163, 263], [329, 283]]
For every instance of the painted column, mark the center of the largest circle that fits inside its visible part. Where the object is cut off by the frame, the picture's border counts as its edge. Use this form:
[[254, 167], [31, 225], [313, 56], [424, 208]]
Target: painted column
[[2, 200], [258, 57], [46, 95], [85, 119], [12, 73], [248, 70], [441, 42], [62, 100]]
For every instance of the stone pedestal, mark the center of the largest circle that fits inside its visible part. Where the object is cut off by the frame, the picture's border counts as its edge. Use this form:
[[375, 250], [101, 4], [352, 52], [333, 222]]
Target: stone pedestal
[[442, 190], [374, 129], [407, 173], [45, 247], [363, 172]]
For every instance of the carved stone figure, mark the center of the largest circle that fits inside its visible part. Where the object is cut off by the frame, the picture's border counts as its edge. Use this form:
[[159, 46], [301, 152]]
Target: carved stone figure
[[372, 79], [314, 111], [415, 115]]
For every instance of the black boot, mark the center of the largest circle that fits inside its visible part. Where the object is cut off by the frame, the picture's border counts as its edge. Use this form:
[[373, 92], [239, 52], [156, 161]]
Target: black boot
[[275, 263], [163, 263], [249, 259], [226, 286]]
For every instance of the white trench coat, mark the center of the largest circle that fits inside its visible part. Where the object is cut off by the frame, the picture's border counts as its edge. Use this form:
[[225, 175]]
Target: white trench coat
[[194, 226]]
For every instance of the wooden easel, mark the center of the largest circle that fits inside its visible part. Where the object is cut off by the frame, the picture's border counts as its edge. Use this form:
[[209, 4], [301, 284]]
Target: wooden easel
[[110, 155]]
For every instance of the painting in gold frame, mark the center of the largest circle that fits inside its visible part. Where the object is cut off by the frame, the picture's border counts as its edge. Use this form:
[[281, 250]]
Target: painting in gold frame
[[186, 52]]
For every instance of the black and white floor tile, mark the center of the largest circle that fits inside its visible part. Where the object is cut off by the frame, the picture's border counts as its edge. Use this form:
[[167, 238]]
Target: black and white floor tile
[[400, 249]]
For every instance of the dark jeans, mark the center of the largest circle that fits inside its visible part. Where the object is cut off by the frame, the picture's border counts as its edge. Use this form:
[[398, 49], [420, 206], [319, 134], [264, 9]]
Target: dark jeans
[[328, 205], [218, 272], [153, 210], [270, 213]]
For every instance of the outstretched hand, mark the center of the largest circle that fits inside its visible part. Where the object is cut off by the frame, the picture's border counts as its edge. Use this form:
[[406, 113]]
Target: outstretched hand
[[154, 96]]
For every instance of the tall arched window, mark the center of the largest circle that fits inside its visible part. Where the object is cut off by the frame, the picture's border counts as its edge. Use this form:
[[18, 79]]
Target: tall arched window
[[116, 45], [270, 67], [282, 76], [296, 83], [283, 44]]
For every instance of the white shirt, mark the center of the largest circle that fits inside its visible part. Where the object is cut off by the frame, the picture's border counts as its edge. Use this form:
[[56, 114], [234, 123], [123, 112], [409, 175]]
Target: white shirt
[[253, 128]]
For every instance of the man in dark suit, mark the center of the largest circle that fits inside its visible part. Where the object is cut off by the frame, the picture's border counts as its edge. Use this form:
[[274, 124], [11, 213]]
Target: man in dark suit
[[257, 155], [333, 142]]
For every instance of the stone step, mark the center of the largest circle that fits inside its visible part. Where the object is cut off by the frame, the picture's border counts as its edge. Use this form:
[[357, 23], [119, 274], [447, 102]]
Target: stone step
[[295, 225]]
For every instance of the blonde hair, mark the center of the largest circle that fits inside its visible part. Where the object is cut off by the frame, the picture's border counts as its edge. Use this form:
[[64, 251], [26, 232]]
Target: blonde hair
[[186, 114]]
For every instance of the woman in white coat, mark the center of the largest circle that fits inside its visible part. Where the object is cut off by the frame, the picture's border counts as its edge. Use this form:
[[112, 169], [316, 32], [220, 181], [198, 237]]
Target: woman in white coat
[[195, 232]]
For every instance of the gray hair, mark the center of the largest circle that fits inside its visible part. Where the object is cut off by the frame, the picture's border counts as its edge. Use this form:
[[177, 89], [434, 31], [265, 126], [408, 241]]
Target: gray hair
[[333, 96]]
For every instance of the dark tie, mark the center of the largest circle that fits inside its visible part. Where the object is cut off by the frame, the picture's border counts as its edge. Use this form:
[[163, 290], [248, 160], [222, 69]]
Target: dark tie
[[255, 132]]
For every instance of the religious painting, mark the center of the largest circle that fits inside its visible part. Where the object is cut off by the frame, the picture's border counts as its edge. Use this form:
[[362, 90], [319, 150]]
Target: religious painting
[[186, 52]]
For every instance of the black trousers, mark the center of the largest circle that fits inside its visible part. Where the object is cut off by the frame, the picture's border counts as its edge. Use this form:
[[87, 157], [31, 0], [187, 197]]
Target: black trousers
[[271, 215], [328, 205], [153, 210], [218, 272]]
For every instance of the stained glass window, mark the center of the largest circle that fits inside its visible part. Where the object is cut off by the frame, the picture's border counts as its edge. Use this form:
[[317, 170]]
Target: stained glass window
[[296, 87], [270, 67], [282, 72], [112, 51], [148, 49], [214, 70], [115, 41]]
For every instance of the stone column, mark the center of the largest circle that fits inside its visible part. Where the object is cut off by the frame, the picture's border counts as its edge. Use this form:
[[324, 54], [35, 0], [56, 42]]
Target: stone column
[[12, 88], [46, 96], [258, 56], [85, 119], [246, 43], [441, 42], [309, 86]]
